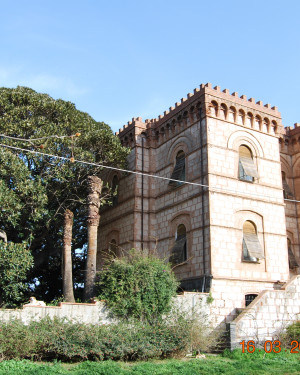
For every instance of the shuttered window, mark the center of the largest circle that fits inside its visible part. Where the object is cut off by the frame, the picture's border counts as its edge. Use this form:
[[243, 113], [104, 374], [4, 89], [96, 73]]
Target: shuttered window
[[247, 168], [179, 253], [252, 250], [287, 193], [292, 259], [179, 170]]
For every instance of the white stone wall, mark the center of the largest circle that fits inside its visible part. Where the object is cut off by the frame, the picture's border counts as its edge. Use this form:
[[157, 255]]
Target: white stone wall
[[233, 201], [94, 313], [97, 313], [268, 315]]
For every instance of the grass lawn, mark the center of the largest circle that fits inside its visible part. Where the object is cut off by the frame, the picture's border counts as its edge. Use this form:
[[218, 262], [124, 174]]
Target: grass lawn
[[232, 364]]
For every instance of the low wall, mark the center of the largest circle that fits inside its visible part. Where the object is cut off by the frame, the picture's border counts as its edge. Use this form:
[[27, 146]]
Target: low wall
[[268, 315], [80, 312], [95, 313]]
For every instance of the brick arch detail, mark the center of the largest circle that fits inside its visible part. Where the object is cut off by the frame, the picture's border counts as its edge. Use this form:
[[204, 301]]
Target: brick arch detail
[[182, 143], [243, 137]]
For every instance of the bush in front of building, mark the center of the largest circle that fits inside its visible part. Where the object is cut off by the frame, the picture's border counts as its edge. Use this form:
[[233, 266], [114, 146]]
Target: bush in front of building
[[137, 285], [292, 333], [68, 341]]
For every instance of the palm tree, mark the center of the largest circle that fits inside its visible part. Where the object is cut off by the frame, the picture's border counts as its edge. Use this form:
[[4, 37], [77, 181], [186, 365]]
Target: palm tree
[[67, 257], [93, 201]]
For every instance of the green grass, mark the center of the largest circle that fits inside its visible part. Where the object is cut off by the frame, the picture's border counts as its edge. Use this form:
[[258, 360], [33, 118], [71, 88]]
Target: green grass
[[234, 363]]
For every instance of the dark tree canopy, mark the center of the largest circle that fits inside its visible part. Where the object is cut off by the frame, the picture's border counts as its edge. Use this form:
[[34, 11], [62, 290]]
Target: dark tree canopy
[[36, 189]]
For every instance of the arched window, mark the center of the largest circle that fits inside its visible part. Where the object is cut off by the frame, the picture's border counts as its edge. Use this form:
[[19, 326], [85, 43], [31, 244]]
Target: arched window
[[247, 168], [179, 252], [252, 250], [179, 170], [292, 259], [249, 298], [287, 193], [114, 188], [113, 248]]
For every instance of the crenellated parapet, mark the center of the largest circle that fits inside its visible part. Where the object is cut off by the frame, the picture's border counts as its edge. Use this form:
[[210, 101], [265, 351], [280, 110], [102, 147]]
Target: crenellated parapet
[[207, 101], [129, 133], [290, 141]]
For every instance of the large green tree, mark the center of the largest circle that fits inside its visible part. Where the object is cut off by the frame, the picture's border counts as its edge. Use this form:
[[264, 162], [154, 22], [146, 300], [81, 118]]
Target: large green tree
[[35, 189]]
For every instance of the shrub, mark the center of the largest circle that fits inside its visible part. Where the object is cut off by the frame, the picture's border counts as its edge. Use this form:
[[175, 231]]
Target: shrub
[[292, 333], [15, 262], [137, 285], [63, 340]]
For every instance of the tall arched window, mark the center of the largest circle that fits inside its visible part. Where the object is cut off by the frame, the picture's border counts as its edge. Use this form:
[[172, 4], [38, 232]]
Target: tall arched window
[[179, 251], [114, 188], [247, 168], [292, 259], [179, 170], [252, 250]]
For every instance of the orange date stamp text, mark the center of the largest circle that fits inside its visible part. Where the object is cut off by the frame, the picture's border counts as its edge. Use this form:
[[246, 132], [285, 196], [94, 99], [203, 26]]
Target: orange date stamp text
[[269, 346]]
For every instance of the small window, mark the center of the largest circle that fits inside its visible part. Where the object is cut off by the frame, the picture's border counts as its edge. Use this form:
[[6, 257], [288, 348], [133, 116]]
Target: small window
[[247, 168], [179, 253], [249, 298], [252, 250], [287, 193], [114, 188], [179, 170], [292, 259]]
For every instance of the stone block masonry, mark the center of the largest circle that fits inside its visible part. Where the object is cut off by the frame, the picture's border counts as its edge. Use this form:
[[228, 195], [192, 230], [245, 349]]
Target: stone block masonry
[[268, 315]]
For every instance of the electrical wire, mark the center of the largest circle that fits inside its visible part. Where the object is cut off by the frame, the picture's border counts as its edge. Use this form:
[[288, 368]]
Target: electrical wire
[[30, 140], [210, 188]]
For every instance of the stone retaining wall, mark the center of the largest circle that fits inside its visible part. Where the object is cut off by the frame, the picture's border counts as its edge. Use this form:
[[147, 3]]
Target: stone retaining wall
[[268, 315]]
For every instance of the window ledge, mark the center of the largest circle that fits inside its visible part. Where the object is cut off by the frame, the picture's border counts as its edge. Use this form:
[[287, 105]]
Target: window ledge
[[251, 261], [249, 182]]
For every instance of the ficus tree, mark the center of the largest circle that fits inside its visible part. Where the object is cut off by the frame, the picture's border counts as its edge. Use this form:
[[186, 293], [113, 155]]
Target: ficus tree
[[37, 188]]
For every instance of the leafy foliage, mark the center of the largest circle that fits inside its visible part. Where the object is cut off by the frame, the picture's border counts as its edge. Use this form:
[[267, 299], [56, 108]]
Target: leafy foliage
[[35, 189], [60, 339], [292, 333], [137, 285], [15, 262]]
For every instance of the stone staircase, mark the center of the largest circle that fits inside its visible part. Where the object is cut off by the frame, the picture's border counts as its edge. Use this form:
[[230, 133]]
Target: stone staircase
[[268, 315]]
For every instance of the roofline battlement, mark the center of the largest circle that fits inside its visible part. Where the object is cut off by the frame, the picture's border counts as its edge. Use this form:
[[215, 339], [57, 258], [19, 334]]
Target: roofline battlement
[[256, 108], [290, 131]]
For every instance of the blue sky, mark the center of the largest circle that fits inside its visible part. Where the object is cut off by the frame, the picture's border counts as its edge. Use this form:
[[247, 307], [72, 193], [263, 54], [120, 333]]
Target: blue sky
[[122, 59]]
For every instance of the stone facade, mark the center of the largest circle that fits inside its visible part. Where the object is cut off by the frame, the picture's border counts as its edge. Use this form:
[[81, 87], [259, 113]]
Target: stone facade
[[203, 225]]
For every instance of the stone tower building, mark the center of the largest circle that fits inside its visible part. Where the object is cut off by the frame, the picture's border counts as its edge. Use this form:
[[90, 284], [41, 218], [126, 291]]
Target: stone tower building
[[227, 228]]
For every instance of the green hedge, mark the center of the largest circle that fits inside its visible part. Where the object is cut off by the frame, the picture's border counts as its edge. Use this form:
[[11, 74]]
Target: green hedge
[[63, 340]]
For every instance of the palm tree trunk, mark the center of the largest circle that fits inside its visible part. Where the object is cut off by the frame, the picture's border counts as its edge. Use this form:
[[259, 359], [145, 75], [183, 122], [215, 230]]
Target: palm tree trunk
[[93, 202], [67, 257]]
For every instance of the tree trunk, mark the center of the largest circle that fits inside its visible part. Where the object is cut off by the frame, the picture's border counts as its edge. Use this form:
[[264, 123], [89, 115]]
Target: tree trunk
[[67, 257], [93, 202]]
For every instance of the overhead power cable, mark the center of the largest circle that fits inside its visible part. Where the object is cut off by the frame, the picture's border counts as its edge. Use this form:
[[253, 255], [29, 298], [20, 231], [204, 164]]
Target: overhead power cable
[[210, 188], [30, 140]]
